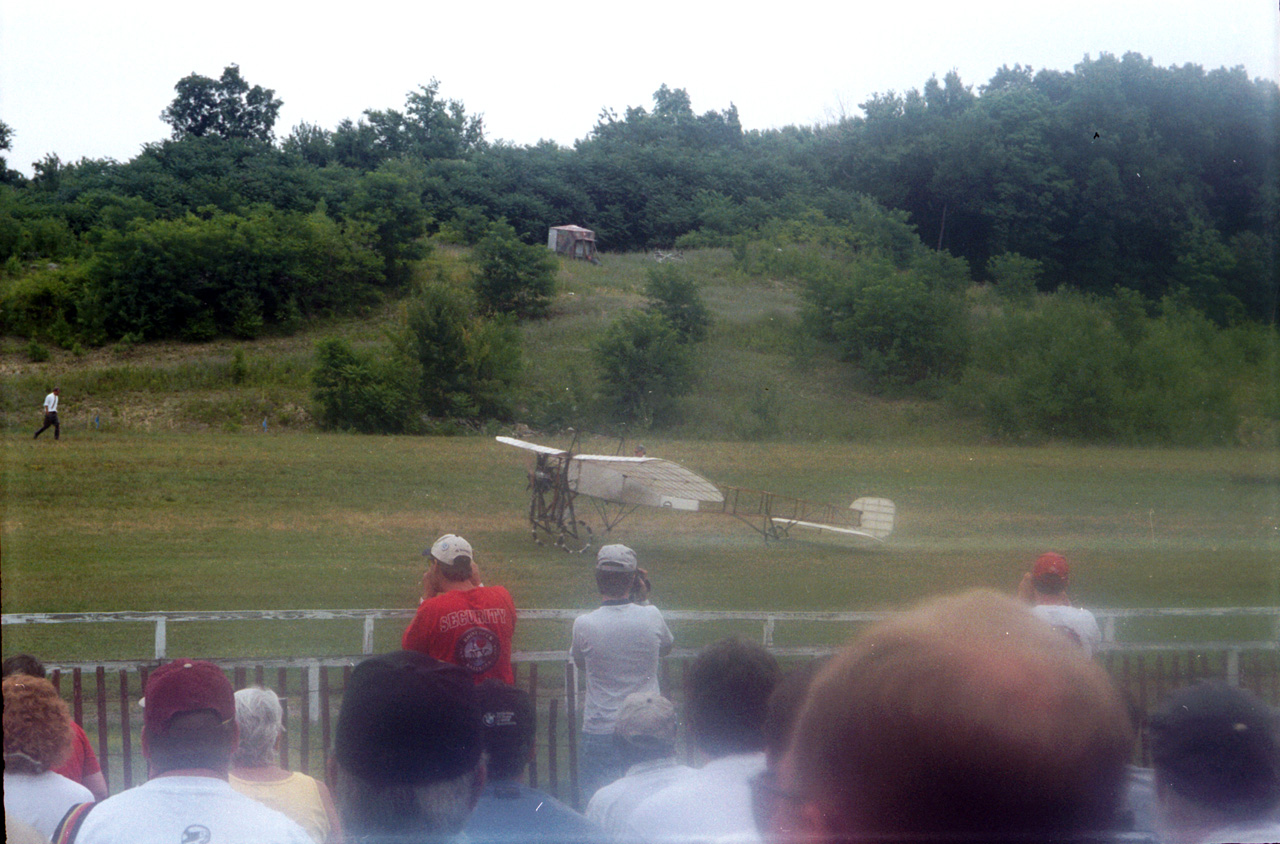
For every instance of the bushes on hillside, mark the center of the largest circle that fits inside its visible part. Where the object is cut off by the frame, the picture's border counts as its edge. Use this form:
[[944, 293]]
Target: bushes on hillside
[[364, 392], [465, 365], [901, 327], [512, 277], [674, 296], [198, 278], [444, 362], [1073, 367], [644, 368], [39, 303]]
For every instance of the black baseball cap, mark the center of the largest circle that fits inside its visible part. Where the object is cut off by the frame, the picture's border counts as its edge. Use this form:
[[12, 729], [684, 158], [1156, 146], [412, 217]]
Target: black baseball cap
[[507, 715], [408, 719], [1217, 745]]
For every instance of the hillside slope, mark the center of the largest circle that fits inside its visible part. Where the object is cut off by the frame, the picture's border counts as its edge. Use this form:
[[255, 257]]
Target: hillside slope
[[758, 377]]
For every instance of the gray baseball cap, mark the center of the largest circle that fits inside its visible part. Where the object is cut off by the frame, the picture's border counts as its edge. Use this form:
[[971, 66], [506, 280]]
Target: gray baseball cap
[[616, 558]]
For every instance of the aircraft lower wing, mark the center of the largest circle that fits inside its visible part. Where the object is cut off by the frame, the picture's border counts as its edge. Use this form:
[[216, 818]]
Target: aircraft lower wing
[[647, 481]]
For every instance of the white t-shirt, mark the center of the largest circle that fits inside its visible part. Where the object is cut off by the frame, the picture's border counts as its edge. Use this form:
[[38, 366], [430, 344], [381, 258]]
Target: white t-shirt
[[187, 810], [51, 403], [711, 804], [611, 807], [1074, 622], [620, 644], [42, 799]]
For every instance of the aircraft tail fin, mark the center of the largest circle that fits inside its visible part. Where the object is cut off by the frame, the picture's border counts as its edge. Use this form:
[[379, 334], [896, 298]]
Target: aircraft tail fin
[[876, 516]]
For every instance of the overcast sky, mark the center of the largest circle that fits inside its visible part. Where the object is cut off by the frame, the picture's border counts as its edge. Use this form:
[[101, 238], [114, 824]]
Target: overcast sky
[[89, 79]]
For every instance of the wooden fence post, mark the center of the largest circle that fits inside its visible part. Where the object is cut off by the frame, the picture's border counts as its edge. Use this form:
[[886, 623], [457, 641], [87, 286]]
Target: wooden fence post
[[126, 731], [533, 702], [282, 687], [304, 731], [324, 720], [571, 729], [77, 697], [553, 772], [104, 729]]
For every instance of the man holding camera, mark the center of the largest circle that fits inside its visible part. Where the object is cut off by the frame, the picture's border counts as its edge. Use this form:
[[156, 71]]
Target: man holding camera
[[460, 620]]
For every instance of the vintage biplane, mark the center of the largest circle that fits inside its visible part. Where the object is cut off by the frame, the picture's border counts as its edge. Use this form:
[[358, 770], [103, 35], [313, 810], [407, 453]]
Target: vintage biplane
[[617, 485]]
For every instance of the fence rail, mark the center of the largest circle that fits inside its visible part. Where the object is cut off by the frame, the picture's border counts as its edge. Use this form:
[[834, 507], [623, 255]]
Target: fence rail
[[104, 694], [1109, 619]]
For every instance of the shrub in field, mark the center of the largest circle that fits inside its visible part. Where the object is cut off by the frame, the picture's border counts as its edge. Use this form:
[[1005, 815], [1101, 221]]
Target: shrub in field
[[1076, 368], [901, 327], [644, 368], [675, 297], [32, 303], [512, 277], [368, 393], [464, 365]]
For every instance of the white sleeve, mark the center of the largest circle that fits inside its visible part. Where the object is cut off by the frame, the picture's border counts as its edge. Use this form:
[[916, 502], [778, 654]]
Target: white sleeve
[[664, 632], [576, 645]]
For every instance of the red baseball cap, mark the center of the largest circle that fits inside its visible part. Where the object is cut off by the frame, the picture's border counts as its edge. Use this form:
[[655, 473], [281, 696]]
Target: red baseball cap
[[186, 685], [1051, 563]]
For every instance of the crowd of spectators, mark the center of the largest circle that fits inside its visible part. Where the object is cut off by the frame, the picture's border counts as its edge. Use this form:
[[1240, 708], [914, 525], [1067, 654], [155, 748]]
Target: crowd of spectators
[[972, 717]]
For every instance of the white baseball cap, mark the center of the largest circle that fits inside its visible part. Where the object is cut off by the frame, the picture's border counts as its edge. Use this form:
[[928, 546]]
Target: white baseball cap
[[448, 548]]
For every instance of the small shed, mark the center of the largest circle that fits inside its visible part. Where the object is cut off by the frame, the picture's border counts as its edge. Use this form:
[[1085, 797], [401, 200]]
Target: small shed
[[574, 242]]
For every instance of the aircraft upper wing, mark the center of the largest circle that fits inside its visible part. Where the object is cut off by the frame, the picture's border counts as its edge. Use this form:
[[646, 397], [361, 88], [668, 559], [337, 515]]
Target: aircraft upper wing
[[541, 449], [650, 481]]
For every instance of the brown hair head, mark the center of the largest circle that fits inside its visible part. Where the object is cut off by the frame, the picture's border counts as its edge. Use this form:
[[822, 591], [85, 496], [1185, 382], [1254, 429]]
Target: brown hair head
[[37, 725]]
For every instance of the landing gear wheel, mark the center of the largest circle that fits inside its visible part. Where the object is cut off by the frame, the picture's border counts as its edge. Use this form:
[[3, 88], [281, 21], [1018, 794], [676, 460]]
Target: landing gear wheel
[[576, 544]]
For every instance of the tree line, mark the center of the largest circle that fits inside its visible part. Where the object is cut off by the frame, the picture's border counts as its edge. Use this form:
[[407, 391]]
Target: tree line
[[1133, 188], [1117, 173]]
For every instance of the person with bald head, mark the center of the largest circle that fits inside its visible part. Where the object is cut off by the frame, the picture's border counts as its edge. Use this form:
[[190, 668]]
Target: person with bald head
[[967, 718]]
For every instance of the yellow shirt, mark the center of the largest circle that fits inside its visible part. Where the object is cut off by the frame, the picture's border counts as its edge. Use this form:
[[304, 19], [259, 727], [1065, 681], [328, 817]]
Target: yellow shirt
[[297, 797]]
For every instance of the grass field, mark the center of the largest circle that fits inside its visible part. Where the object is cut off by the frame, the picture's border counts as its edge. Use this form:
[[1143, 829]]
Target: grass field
[[171, 521], [177, 499]]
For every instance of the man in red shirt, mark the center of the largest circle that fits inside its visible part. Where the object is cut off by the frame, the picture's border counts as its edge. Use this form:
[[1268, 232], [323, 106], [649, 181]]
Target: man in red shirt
[[460, 620]]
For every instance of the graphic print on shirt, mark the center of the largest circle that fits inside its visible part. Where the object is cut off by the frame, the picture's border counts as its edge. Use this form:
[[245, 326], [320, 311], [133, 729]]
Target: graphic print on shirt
[[196, 834], [477, 650]]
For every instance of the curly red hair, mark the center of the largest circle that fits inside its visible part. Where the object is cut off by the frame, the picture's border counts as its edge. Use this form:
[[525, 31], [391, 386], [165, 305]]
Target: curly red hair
[[37, 725]]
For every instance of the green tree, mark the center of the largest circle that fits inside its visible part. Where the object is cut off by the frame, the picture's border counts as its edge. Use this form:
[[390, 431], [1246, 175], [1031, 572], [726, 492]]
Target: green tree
[[899, 327], [7, 176], [364, 392], [429, 127], [1076, 367], [389, 199], [1015, 276], [465, 366], [675, 297], [512, 277], [225, 107], [644, 368]]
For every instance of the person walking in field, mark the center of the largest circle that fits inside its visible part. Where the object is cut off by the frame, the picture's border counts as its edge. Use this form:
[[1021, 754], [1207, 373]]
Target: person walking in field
[[50, 408], [460, 620]]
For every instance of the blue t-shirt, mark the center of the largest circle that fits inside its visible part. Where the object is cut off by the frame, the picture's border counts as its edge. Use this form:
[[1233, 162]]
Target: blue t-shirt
[[509, 812]]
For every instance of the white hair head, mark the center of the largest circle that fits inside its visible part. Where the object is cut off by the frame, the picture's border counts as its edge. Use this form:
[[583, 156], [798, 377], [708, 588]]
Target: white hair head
[[261, 720]]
